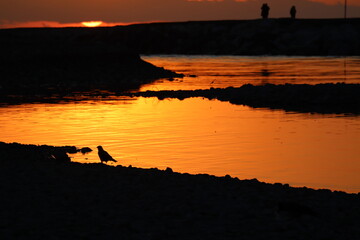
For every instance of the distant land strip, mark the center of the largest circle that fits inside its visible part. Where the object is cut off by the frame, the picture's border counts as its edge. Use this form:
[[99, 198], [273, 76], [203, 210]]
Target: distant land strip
[[282, 36]]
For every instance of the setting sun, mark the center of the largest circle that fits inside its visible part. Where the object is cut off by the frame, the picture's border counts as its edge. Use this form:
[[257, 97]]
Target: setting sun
[[92, 23]]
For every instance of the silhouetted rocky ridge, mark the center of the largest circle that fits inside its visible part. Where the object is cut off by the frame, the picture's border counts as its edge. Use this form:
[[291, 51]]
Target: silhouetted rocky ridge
[[61, 61], [321, 98], [44, 198]]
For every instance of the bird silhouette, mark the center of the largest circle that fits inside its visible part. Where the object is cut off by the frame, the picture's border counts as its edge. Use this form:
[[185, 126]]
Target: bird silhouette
[[104, 155]]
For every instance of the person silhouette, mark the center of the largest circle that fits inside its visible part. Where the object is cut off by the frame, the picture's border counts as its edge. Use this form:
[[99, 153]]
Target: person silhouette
[[293, 12], [265, 11]]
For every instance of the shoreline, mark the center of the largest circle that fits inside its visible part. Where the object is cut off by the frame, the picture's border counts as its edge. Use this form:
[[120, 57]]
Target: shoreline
[[59, 199], [56, 63], [325, 98], [319, 98], [61, 63]]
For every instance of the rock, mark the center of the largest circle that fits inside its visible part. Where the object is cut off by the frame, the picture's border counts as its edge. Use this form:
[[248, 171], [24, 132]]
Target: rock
[[168, 170], [60, 155], [85, 150]]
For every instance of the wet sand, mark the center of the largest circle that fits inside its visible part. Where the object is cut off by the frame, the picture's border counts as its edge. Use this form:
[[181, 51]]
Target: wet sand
[[49, 197]]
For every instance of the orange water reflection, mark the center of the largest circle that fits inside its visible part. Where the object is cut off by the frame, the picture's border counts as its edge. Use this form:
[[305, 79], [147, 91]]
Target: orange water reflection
[[200, 136]]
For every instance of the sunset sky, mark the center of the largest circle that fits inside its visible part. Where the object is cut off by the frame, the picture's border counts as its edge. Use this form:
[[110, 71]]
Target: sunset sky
[[42, 13]]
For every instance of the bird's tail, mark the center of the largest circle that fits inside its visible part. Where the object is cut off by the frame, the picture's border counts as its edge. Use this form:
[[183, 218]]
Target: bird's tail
[[113, 160]]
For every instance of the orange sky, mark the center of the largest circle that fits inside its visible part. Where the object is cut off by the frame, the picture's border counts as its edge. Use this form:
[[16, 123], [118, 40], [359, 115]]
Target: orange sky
[[71, 12]]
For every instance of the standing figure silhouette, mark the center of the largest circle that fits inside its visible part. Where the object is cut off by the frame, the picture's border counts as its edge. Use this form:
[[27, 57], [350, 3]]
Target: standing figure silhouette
[[293, 12], [265, 11]]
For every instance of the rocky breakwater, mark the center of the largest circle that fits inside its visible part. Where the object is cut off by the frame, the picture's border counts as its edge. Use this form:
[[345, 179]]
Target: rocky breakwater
[[43, 198], [60, 61], [301, 37], [321, 98]]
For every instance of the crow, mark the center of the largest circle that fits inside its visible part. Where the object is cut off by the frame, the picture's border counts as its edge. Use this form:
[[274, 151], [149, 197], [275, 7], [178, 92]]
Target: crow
[[104, 155]]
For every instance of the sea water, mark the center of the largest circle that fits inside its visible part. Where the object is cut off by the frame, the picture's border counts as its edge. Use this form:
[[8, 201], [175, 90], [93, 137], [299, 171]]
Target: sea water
[[197, 135]]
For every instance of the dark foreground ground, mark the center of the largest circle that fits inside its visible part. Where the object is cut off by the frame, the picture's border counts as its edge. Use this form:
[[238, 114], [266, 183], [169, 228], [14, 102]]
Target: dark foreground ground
[[43, 196]]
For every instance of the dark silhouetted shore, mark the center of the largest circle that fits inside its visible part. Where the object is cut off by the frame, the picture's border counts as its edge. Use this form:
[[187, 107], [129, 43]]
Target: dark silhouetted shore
[[291, 37], [321, 98], [57, 62], [48, 62], [46, 198]]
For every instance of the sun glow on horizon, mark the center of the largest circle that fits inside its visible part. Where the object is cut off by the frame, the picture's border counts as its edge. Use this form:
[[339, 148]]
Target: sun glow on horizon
[[92, 23]]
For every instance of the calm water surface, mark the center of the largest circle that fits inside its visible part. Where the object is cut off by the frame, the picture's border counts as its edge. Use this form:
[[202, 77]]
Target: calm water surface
[[203, 136], [225, 71]]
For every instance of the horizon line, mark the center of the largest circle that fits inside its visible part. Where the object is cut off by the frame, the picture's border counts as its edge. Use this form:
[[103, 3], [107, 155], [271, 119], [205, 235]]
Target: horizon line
[[54, 24]]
